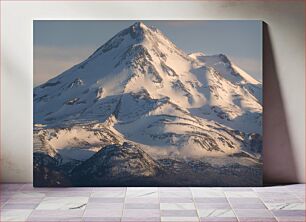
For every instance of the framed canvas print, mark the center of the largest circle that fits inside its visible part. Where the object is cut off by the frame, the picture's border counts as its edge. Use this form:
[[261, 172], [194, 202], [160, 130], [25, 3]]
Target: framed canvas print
[[147, 103]]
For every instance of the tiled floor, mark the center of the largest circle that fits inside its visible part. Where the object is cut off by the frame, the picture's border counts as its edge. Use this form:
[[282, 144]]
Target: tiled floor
[[22, 202]]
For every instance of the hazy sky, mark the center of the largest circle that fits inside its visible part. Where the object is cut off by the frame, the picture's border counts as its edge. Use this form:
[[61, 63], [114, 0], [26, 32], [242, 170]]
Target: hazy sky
[[58, 45]]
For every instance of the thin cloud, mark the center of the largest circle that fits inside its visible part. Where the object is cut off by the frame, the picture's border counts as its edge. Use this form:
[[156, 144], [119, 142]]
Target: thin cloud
[[51, 61], [250, 65]]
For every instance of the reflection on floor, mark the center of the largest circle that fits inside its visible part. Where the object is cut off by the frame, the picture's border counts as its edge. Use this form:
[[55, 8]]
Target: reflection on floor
[[22, 202]]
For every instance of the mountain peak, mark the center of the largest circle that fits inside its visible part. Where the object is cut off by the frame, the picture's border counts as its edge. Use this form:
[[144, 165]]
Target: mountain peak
[[134, 34], [142, 57], [139, 25], [138, 30]]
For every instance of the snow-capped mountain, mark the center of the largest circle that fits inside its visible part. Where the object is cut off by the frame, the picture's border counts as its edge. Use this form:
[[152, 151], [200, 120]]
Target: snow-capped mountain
[[140, 88]]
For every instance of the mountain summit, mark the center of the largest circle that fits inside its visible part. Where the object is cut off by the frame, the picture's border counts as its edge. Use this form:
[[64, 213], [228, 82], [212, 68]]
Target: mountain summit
[[140, 88]]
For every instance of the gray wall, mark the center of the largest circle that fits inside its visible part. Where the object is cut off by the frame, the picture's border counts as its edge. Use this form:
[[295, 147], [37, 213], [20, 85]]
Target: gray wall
[[284, 74]]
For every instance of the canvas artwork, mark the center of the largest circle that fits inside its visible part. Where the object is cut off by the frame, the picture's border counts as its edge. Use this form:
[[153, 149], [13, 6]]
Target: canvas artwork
[[147, 103]]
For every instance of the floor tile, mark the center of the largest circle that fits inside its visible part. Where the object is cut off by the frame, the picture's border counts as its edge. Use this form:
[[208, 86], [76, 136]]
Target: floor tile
[[14, 214], [237, 189], [279, 189], [177, 206], [54, 219], [216, 213], [256, 219], [210, 200], [57, 213], [25, 198], [108, 189], [213, 205], [62, 203], [178, 213], [136, 192], [26, 186], [10, 187], [260, 213], [140, 219], [43, 190], [291, 219], [179, 219], [101, 219], [296, 187], [248, 206], [20, 206], [285, 206], [105, 200], [68, 194], [300, 195], [103, 213], [115, 193], [23, 202], [246, 200], [230, 194], [141, 206], [24, 194], [281, 200], [175, 194], [91, 205], [207, 192], [175, 189], [278, 197], [3, 200], [289, 213], [176, 200], [218, 219], [142, 213], [142, 200]]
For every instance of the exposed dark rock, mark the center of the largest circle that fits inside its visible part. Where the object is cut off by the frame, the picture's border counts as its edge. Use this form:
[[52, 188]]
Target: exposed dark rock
[[49, 84], [124, 164], [47, 173]]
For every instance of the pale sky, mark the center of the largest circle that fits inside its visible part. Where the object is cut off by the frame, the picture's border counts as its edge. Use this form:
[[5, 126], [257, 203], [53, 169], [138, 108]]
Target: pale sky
[[58, 45]]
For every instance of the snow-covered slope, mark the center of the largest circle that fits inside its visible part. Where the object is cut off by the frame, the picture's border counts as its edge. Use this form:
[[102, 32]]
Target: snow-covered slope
[[74, 143], [140, 88], [234, 97]]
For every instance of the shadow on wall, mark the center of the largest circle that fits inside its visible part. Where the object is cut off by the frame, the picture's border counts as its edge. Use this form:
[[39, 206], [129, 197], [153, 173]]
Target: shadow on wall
[[279, 164]]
